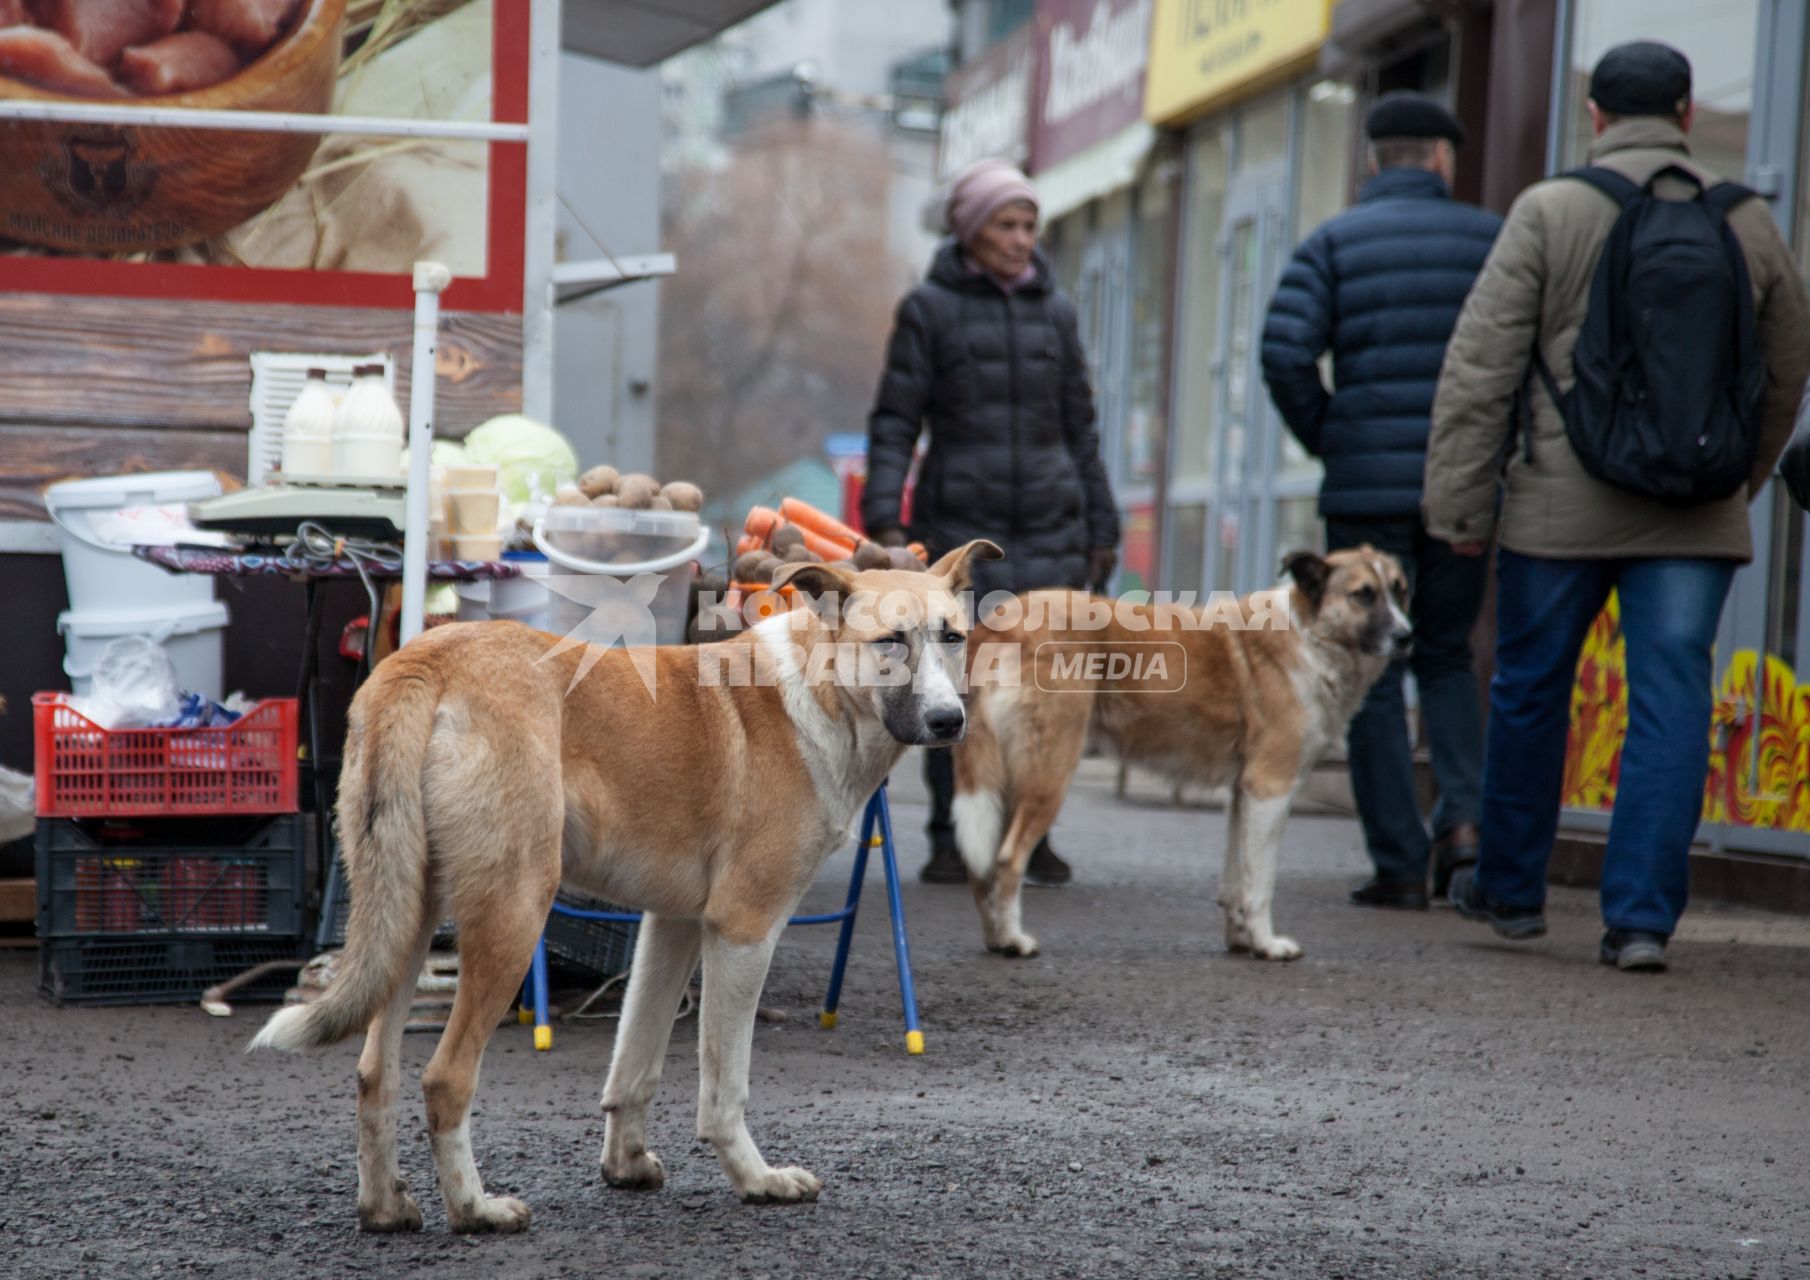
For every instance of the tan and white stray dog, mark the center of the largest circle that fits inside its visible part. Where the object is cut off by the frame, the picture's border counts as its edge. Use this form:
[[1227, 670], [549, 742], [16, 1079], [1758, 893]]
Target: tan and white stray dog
[[476, 782], [1250, 699]]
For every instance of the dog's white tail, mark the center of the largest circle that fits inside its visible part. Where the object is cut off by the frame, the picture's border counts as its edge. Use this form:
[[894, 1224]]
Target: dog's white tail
[[980, 803], [385, 837]]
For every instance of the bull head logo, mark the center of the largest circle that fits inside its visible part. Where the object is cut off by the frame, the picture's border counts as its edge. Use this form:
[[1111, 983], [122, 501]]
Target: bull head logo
[[94, 172]]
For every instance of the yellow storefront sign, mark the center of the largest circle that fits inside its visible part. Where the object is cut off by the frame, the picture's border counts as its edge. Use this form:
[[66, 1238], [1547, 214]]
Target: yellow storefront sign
[[1202, 52]]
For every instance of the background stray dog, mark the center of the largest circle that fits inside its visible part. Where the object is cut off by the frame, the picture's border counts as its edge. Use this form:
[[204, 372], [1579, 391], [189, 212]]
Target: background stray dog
[[1255, 707]]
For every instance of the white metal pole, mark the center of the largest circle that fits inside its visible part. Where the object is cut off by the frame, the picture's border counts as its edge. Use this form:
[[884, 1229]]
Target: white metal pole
[[430, 279]]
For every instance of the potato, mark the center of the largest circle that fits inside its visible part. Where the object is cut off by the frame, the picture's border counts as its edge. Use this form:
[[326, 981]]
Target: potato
[[637, 491], [568, 497], [659, 502], [747, 566], [871, 555], [801, 554], [598, 481], [606, 500], [684, 496], [785, 538], [903, 559]]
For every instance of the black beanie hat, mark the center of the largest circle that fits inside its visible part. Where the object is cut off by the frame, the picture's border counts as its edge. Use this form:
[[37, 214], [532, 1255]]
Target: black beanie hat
[[1411, 115], [1642, 78]]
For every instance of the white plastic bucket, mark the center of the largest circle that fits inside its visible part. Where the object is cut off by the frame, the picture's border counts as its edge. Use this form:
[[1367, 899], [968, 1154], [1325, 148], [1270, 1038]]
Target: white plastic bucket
[[671, 541], [191, 635], [107, 578], [524, 599]]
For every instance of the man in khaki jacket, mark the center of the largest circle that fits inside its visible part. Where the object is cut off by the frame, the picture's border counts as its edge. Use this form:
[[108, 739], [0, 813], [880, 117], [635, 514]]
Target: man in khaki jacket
[[1568, 539]]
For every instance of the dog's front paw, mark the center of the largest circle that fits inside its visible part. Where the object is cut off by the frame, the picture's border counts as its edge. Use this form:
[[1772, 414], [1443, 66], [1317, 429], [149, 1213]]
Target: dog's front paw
[[1238, 938], [1017, 946], [396, 1212], [1277, 949], [782, 1186], [642, 1172], [504, 1215]]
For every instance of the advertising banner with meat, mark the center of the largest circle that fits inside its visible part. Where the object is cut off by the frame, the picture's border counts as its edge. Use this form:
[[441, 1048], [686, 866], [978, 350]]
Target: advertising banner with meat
[[126, 205]]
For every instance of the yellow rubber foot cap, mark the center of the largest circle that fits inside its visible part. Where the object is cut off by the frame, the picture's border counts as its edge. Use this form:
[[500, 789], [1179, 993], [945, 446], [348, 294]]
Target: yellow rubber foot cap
[[827, 1021], [543, 1038], [914, 1042], [525, 1017]]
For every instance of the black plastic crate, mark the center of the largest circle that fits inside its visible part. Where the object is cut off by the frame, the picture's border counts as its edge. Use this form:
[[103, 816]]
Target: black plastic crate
[[205, 878], [599, 947], [144, 970]]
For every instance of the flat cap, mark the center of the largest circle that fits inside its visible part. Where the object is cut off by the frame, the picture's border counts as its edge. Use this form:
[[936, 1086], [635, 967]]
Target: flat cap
[[1642, 78], [1411, 115]]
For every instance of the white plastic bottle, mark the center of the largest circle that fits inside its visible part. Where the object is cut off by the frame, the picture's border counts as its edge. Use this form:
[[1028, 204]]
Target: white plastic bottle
[[308, 429], [367, 429]]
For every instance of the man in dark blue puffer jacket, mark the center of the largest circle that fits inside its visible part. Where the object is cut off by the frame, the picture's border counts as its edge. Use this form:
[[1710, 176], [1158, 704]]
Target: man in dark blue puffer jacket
[[1380, 286]]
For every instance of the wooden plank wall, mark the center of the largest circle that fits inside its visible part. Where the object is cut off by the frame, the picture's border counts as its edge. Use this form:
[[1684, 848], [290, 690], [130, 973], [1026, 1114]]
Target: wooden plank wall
[[90, 386]]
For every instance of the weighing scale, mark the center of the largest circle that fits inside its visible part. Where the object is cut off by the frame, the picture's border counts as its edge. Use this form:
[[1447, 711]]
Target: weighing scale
[[353, 506]]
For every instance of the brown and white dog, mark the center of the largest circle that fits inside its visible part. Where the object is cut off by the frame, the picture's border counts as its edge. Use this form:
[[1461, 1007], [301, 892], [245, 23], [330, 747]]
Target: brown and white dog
[[1249, 697], [481, 772]]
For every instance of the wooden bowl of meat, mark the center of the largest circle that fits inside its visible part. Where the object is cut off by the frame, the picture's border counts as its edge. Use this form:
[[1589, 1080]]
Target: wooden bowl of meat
[[117, 189]]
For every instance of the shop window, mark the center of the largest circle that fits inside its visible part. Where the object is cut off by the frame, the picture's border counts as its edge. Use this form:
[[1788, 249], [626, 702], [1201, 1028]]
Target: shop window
[[1152, 271], [1207, 176], [1297, 525], [1263, 131], [1188, 547], [1718, 39]]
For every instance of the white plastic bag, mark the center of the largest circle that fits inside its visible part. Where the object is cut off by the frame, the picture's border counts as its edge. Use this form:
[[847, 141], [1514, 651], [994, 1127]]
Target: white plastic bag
[[18, 809], [136, 680]]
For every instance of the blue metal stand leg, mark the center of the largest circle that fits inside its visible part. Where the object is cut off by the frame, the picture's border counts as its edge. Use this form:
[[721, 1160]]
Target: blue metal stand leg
[[908, 996], [833, 996], [537, 977]]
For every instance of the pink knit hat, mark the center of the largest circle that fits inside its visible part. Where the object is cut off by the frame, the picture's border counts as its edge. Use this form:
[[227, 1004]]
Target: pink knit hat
[[982, 190]]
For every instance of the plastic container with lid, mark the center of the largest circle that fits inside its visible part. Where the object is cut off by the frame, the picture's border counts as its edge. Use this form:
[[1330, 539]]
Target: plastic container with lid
[[104, 577], [624, 545]]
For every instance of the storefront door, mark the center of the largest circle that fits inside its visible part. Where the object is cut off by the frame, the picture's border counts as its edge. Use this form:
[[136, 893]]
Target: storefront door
[[1252, 251]]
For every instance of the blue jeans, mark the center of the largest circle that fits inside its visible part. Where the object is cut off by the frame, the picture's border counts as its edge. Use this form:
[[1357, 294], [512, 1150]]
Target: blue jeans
[[1544, 608], [1447, 596]]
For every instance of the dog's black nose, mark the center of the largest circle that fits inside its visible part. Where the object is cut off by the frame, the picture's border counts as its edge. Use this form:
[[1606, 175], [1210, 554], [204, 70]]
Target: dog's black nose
[[945, 723]]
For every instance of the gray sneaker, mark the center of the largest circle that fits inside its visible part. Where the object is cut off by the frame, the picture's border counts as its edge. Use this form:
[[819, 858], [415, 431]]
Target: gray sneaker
[[1634, 950]]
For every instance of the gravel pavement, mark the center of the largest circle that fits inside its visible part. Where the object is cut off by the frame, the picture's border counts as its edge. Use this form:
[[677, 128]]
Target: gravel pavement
[[1413, 1098]]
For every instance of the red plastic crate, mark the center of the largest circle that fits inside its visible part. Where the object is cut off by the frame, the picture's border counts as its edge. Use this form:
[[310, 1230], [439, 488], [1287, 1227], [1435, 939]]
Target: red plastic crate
[[85, 771]]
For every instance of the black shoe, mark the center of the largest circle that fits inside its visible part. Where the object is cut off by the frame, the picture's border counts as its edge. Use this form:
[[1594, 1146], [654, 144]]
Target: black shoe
[[1452, 849], [945, 865], [1403, 895], [1633, 949], [1046, 868], [1517, 924]]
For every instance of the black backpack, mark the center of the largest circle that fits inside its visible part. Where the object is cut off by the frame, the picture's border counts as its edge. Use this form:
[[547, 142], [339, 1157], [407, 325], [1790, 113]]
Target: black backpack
[[1669, 371]]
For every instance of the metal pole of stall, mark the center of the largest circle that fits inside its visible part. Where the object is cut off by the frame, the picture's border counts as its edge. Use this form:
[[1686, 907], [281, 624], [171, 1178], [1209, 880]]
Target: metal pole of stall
[[430, 280]]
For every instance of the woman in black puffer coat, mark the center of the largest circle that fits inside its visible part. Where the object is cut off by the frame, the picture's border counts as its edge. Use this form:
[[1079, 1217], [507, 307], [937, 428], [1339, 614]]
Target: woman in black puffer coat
[[986, 355]]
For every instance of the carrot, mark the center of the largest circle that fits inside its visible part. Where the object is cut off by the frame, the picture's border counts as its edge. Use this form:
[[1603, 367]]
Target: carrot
[[810, 519], [828, 548], [761, 522], [919, 550], [746, 543]]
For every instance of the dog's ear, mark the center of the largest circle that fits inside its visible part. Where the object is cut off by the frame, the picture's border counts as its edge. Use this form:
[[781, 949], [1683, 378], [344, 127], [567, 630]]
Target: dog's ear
[[813, 580], [1309, 571], [957, 566]]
